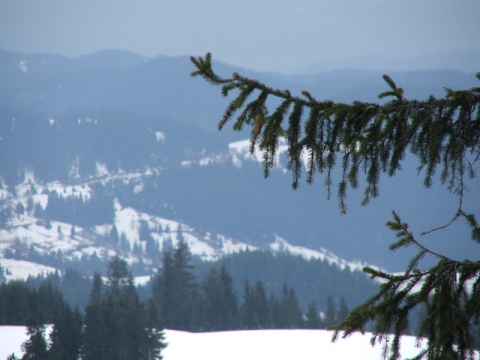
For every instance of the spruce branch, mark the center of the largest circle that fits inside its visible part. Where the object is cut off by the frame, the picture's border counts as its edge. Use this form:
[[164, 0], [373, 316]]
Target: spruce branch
[[439, 132], [446, 289], [371, 139]]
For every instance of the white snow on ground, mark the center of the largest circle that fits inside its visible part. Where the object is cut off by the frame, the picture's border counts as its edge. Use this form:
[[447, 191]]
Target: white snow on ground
[[23, 66], [252, 345], [282, 245], [11, 338], [127, 222], [102, 169], [240, 150], [160, 136], [21, 270], [25, 231], [274, 345], [231, 247], [141, 280]]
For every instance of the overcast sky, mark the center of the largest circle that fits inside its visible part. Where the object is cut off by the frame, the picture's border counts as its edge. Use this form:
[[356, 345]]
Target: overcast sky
[[277, 35]]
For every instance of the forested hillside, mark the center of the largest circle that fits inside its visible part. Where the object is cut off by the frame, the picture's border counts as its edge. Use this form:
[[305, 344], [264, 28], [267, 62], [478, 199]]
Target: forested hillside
[[82, 171]]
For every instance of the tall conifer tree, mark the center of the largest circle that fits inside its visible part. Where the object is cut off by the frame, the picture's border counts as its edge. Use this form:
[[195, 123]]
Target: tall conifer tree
[[66, 335], [220, 300], [36, 347], [95, 335], [174, 289], [118, 326], [313, 320]]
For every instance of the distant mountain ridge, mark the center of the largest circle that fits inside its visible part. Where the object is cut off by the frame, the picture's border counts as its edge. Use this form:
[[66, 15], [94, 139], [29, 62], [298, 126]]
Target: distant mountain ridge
[[162, 85], [30, 219], [466, 61], [73, 121]]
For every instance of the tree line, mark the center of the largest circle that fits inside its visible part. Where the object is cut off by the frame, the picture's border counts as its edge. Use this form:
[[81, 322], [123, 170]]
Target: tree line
[[118, 323], [115, 324], [212, 304]]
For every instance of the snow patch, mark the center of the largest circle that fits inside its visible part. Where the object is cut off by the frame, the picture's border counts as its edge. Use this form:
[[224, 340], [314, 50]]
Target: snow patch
[[82, 191], [262, 344], [281, 245], [141, 280], [138, 188], [127, 221], [275, 344], [23, 65], [101, 169], [21, 270], [160, 136], [74, 172], [240, 151]]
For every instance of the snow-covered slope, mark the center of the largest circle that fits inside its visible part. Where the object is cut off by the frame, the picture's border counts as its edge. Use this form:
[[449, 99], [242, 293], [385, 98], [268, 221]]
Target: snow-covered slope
[[252, 345], [27, 236], [281, 245], [21, 269]]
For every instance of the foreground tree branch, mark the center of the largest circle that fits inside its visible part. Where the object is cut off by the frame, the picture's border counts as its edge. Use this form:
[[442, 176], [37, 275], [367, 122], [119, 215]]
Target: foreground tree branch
[[370, 139]]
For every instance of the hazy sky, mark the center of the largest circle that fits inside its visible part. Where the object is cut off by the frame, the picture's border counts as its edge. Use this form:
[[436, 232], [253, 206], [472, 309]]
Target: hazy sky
[[278, 35]]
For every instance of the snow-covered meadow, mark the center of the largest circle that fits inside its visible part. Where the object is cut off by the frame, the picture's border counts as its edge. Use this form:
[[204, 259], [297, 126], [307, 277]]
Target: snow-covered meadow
[[252, 345]]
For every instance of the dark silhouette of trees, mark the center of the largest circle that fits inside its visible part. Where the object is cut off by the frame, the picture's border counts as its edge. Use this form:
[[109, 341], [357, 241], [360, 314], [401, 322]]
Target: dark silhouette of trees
[[312, 317], [175, 290], [117, 324], [220, 300], [66, 335], [35, 347]]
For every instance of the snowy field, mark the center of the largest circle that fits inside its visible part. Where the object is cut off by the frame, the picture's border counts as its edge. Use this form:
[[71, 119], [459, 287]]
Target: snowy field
[[252, 345]]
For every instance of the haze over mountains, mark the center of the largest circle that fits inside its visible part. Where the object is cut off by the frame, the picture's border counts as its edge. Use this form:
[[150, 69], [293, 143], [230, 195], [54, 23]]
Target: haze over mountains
[[142, 132]]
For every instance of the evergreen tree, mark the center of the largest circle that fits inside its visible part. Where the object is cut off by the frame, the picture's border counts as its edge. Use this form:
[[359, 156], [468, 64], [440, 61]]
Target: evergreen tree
[[16, 294], [289, 311], [20, 209], [118, 276], [342, 311], [313, 320], [175, 290], [3, 304], [155, 337], [331, 313], [255, 310], [117, 324], [66, 335], [95, 333], [44, 300], [123, 313], [374, 138], [220, 301], [75, 288], [162, 288], [36, 347]]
